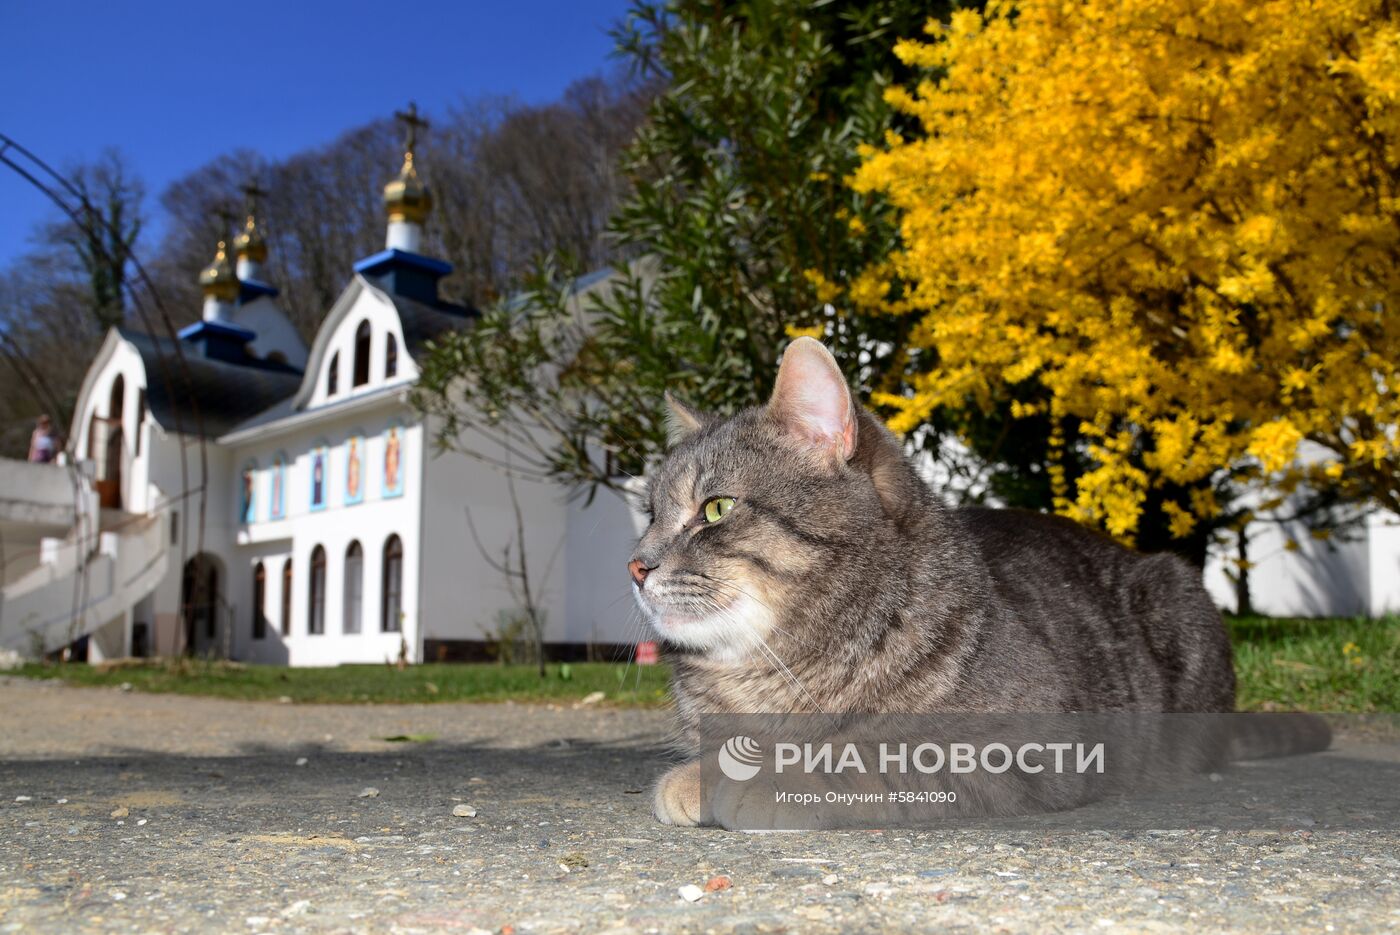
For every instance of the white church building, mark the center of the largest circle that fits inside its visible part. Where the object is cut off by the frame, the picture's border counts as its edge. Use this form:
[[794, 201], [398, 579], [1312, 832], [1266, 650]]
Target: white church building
[[252, 498]]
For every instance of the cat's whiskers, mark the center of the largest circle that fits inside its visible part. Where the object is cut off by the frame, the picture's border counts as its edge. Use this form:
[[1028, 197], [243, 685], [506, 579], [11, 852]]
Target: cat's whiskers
[[636, 625], [772, 624], [792, 676], [756, 641]]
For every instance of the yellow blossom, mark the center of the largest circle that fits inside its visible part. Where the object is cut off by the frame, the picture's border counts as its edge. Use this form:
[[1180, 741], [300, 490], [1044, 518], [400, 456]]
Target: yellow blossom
[[826, 290], [815, 331], [1174, 221], [1275, 444]]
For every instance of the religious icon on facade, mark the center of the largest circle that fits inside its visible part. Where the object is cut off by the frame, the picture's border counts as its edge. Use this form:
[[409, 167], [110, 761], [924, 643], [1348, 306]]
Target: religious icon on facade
[[277, 503], [354, 476], [393, 463], [319, 457], [245, 494]]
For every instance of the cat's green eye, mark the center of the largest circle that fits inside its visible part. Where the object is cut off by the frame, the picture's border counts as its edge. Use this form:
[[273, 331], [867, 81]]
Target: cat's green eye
[[716, 507]]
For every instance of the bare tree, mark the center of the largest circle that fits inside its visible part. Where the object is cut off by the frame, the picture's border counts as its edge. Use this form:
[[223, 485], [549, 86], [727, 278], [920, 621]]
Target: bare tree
[[111, 197], [510, 182], [49, 333], [513, 565]]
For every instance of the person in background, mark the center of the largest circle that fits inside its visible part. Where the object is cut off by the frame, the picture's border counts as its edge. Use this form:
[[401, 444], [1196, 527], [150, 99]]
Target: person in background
[[43, 447]]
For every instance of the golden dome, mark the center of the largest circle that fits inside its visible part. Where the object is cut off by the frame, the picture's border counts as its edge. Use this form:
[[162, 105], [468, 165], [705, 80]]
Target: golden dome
[[218, 280], [406, 198], [249, 244]]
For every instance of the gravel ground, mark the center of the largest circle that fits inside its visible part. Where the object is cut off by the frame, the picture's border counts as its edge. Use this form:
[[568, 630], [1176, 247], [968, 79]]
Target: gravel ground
[[129, 812]]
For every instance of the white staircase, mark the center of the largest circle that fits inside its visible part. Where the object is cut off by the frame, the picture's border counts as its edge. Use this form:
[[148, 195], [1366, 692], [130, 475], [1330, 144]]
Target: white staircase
[[94, 574]]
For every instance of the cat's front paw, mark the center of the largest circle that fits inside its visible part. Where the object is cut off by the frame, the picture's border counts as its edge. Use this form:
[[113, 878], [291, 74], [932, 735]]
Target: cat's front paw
[[677, 800]]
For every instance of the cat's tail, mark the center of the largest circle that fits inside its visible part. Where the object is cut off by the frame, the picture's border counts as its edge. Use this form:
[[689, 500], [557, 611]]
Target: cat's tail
[[1260, 736]]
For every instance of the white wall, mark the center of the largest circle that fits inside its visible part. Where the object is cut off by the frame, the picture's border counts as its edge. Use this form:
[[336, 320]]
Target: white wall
[[180, 492], [360, 303], [461, 594], [1383, 534], [116, 359], [274, 330], [371, 522], [1349, 573], [601, 537], [1317, 579]]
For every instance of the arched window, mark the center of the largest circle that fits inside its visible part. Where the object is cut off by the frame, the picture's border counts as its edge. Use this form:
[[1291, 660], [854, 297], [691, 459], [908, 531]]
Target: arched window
[[333, 375], [391, 589], [354, 586], [391, 356], [287, 598], [140, 416], [116, 402], [361, 355], [316, 593], [259, 595], [106, 445]]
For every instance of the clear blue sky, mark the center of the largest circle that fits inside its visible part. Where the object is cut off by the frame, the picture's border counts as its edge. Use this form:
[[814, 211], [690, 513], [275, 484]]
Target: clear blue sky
[[175, 84]]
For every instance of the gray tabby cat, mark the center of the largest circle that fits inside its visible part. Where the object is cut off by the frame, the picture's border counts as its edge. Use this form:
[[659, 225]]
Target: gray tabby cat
[[796, 562]]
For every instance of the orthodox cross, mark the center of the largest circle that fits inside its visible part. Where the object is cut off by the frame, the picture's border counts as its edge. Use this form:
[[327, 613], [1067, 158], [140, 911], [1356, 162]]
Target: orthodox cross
[[226, 219], [412, 121], [251, 194]]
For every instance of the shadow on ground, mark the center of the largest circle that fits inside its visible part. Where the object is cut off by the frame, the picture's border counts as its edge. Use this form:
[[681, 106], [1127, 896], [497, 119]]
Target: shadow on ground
[[109, 833]]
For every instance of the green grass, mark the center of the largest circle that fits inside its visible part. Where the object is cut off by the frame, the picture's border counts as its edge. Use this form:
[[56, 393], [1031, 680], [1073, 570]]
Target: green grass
[[1317, 665], [1314, 665], [622, 684]]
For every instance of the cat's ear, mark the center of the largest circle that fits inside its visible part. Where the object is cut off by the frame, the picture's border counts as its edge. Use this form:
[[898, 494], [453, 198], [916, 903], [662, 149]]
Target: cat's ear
[[682, 421], [812, 401]]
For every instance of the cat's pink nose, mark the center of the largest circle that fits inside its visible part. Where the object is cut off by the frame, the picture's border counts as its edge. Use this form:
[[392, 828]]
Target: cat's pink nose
[[638, 571]]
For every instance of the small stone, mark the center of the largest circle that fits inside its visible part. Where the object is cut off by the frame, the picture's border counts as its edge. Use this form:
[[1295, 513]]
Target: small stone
[[369, 792], [285, 699], [690, 892], [574, 861], [593, 698], [126, 686], [302, 761], [141, 822], [1295, 850], [463, 811], [299, 908], [118, 895], [24, 798], [121, 811], [62, 801], [831, 879], [879, 890], [718, 884], [257, 922]]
